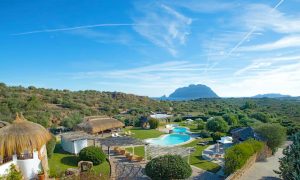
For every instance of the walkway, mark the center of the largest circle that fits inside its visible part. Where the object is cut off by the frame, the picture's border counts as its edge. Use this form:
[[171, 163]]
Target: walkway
[[200, 174], [264, 170]]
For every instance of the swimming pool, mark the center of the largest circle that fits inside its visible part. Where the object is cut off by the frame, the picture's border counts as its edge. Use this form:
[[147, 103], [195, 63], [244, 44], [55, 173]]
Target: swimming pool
[[169, 140], [181, 130]]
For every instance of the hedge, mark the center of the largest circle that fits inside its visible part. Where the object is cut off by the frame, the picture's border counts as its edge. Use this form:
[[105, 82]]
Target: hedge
[[154, 123], [168, 167], [237, 155]]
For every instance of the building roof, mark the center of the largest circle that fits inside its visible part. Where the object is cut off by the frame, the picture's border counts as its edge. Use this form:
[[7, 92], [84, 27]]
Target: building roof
[[3, 123], [243, 133], [77, 135], [22, 135], [95, 124]]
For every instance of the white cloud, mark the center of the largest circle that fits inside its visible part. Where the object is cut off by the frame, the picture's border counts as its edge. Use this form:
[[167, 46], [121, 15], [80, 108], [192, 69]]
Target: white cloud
[[171, 27], [264, 17], [285, 42]]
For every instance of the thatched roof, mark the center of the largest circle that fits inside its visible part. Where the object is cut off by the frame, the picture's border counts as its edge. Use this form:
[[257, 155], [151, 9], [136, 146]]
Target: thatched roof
[[22, 135], [3, 123], [95, 124]]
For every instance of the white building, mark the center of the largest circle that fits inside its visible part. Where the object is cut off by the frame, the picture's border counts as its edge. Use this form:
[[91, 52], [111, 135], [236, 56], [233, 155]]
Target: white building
[[22, 143], [74, 142]]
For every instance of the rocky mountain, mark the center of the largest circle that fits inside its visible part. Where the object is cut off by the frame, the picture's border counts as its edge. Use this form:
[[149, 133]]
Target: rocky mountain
[[271, 95], [193, 92]]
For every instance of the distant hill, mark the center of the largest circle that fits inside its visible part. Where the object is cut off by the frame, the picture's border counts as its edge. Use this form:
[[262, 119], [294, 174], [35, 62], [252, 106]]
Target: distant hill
[[271, 95], [192, 92]]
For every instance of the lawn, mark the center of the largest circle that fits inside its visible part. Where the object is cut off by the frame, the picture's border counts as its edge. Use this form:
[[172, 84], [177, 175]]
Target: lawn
[[61, 161], [197, 160], [139, 150], [145, 133]]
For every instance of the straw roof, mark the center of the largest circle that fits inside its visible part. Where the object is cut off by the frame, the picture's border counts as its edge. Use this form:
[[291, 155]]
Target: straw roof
[[95, 124], [3, 123], [22, 135]]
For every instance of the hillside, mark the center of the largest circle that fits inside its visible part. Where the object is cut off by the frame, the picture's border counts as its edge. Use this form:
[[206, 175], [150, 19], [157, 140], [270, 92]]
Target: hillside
[[192, 92], [41, 105]]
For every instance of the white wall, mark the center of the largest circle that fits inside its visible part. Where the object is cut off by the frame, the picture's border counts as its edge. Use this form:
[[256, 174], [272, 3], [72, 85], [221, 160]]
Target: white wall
[[80, 144], [30, 167], [67, 145]]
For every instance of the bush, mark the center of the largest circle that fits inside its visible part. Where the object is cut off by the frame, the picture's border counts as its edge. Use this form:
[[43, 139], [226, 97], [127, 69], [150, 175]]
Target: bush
[[237, 155], [92, 153], [168, 167], [13, 174], [154, 123], [217, 124], [205, 134], [51, 146], [290, 164], [217, 135], [273, 134]]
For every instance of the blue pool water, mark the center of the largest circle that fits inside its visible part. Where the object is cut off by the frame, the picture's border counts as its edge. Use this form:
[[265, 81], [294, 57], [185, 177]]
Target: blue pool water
[[169, 140], [180, 130]]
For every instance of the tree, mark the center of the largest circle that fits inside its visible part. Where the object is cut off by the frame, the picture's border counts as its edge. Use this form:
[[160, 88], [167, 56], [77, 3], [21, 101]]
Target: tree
[[231, 119], [289, 164], [261, 117], [217, 135], [217, 124], [92, 153], [168, 167], [72, 120], [273, 134], [51, 146], [200, 124], [154, 123]]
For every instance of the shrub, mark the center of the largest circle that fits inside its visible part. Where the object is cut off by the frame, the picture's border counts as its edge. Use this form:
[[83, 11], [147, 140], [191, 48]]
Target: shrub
[[168, 167], [154, 123], [205, 134], [217, 124], [217, 135], [273, 134], [289, 164], [51, 146], [13, 174], [92, 153], [237, 155]]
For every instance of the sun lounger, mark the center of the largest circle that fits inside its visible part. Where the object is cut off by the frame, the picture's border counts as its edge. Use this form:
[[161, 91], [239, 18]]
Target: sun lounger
[[139, 158], [127, 154], [123, 152]]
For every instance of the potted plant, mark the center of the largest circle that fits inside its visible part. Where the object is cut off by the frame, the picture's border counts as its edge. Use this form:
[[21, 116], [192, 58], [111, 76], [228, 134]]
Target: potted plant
[[41, 174]]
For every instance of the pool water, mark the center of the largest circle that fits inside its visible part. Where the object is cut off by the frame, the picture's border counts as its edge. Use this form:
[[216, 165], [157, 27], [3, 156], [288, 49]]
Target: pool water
[[169, 140], [180, 130]]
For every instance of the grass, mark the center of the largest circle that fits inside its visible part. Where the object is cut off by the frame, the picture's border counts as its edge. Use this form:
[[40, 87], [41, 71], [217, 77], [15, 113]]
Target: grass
[[197, 160], [145, 133], [61, 161], [139, 150]]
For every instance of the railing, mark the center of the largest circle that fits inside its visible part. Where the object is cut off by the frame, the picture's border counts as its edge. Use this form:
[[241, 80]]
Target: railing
[[25, 156], [5, 160]]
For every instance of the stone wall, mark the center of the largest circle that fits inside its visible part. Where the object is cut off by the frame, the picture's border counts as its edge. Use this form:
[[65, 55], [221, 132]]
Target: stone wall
[[261, 156]]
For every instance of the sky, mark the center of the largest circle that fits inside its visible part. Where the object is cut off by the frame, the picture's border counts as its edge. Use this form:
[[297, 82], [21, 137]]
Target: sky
[[236, 47]]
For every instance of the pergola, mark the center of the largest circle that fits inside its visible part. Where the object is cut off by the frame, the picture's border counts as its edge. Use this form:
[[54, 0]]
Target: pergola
[[155, 151], [120, 141]]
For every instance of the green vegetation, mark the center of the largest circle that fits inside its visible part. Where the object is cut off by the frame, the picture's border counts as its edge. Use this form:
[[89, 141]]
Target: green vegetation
[[237, 155], [51, 146], [145, 133], [154, 123], [93, 154], [12, 174], [217, 124], [168, 167], [62, 160], [273, 134], [196, 157], [290, 164], [217, 136]]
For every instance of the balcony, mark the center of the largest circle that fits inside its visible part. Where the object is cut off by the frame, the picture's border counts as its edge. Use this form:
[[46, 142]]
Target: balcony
[[25, 156]]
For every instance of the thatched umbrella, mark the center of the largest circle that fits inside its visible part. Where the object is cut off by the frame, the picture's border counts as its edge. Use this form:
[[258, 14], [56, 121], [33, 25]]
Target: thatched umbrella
[[22, 135]]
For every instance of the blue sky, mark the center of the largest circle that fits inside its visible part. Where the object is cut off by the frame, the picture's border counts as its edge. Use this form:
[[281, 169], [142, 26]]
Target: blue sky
[[237, 47]]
